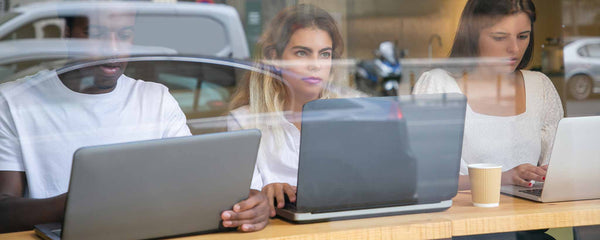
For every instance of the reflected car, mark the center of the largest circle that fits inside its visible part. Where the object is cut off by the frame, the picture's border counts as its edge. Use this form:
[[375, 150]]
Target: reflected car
[[582, 67], [188, 28], [18, 55]]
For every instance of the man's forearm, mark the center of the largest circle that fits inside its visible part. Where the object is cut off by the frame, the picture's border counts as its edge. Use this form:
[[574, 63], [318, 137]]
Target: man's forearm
[[20, 214]]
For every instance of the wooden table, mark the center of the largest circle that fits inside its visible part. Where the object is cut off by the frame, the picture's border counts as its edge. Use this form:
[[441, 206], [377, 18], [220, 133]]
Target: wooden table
[[462, 218]]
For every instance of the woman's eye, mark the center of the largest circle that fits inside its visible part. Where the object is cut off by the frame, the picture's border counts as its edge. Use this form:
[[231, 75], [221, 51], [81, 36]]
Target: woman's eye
[[325, 54], [301, 54], [498, 38], [523, 36]]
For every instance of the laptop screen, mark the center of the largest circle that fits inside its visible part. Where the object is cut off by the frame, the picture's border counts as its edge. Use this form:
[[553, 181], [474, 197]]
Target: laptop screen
[[374, 152]]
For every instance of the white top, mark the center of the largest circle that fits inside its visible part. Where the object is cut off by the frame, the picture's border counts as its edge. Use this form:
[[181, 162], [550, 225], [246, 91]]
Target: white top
[[42, 123], [277, 161], [505, 140]]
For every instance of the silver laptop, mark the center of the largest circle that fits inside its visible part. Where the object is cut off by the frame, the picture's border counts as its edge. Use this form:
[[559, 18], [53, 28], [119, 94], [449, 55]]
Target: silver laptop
[[156, 188], [362, 157], [574, 167]]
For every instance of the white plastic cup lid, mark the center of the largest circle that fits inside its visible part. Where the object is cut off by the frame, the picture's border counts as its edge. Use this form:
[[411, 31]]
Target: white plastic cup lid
[[484, 165]]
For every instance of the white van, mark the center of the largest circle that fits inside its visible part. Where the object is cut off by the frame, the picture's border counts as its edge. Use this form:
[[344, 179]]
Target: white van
[[188, 28]]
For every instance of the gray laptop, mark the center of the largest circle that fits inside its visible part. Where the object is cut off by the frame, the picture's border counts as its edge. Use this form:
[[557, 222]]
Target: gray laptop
[[362, 157], [574, 164], [156, 188]]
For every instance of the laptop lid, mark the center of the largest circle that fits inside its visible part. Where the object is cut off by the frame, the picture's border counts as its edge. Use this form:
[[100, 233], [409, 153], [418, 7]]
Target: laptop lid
[[575, 161], [373, 152], [435, 124], [158, 188]]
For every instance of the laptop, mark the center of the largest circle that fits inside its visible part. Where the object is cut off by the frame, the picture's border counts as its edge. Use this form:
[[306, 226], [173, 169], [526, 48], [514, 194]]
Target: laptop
[[156, 188], [363, 157], [574, 164]]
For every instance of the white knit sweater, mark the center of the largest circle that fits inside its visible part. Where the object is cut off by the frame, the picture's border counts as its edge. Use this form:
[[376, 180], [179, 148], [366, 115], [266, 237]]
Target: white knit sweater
[[505, 140]]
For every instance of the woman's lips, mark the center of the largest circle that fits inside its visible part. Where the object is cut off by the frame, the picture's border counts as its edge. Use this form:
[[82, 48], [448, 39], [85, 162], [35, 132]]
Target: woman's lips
[[312, 80]]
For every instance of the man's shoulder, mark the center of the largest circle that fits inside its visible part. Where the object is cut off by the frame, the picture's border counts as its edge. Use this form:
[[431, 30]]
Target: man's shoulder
[[20, 86], [143, 85]]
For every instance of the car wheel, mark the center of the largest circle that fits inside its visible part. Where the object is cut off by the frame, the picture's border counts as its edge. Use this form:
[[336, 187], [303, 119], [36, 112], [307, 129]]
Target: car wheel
[[580, 87]]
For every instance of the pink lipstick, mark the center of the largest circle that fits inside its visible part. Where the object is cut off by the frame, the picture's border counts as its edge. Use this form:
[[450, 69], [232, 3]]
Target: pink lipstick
[[312, 80]]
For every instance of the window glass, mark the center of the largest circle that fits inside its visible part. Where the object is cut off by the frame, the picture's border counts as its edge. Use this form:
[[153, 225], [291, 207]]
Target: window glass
[[583, 51], [441, 84], [193, 35], [594, 50], [38, 29]]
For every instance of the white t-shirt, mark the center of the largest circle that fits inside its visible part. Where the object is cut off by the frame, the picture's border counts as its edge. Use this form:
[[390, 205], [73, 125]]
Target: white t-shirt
[[505, 140], [277, 160], [42, 123]]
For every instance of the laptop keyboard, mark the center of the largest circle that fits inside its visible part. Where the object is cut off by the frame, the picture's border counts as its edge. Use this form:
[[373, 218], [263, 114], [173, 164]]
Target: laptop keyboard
[[536, 192], [290, 206], [57, 232]]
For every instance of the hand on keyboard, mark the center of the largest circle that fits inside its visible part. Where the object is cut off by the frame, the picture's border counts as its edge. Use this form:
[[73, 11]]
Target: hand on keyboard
[[522, 175], [276, 193]]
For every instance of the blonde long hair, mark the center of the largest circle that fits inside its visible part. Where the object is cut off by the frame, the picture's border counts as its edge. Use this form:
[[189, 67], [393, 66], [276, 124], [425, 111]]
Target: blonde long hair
[[266, 92]]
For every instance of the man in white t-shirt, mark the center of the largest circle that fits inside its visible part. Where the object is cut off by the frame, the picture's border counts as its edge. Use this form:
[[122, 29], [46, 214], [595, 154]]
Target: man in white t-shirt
[[44, 118]]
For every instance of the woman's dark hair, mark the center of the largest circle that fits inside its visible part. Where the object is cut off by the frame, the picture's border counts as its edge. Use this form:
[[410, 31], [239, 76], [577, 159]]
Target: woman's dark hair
[[480, 14]]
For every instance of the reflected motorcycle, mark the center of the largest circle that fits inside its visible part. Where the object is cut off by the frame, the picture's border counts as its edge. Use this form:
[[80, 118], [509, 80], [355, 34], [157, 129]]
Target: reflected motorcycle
[[380, 76]]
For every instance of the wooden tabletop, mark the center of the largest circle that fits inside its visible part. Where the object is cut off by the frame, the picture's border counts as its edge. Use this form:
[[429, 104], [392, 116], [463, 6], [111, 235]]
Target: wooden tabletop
[[462, 218], [516, 214]]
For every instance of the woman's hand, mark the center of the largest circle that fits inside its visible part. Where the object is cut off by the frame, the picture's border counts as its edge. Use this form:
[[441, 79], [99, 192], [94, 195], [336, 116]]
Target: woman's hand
[[522, 175], [276, 191]]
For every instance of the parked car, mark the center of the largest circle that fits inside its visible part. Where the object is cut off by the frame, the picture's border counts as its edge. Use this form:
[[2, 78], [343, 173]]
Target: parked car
[[582, 67], [188, 28], [19, 55]]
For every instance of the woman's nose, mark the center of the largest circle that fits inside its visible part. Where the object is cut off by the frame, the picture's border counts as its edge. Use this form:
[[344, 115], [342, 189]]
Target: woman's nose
[[513, 46], [314, 64]]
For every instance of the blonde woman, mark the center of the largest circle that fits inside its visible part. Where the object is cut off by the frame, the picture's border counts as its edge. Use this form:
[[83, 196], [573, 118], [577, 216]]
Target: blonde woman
[[300, 43]]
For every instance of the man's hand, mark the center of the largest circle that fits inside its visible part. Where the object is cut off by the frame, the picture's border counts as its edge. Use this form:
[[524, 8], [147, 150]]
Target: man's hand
[[18, 213], [276, 191], [249, 215], [522, 174]]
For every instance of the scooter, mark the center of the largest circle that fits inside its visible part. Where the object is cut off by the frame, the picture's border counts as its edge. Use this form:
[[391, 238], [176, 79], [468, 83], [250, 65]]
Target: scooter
[[382, 75]]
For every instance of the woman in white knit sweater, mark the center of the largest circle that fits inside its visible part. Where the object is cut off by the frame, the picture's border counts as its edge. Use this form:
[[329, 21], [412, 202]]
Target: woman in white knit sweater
[[512, 114]]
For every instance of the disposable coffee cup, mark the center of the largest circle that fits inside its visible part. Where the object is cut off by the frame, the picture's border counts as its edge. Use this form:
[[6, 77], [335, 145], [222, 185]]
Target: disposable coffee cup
[[485, 184]]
